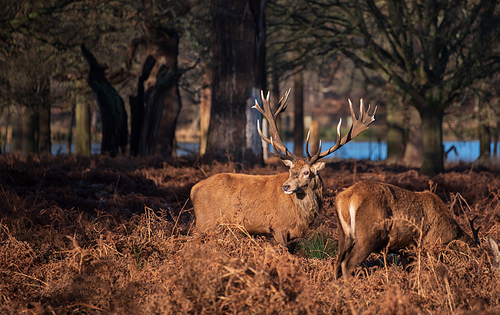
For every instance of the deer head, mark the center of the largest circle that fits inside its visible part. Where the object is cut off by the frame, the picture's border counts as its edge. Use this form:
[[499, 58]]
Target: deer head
[[302, 170]]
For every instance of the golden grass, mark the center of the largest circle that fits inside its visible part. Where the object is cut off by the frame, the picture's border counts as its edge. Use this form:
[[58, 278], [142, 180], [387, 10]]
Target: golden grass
[[115, 236]]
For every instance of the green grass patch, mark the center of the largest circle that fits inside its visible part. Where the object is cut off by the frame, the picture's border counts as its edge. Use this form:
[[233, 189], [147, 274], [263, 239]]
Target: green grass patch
[[318, 245]]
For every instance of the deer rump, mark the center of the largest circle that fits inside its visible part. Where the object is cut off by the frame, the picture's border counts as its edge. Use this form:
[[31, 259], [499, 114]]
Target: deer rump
[[256, 203], [376, 216]]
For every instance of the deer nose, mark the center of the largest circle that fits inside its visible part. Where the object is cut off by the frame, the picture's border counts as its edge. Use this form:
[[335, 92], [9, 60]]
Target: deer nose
[[286, 189]]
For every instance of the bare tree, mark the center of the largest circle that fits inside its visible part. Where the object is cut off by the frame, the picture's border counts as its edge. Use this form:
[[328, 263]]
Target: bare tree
[[428, 50]]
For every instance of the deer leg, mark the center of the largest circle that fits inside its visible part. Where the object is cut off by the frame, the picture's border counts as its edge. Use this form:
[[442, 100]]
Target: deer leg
[[345, 247], [355, 257], [281, 237]]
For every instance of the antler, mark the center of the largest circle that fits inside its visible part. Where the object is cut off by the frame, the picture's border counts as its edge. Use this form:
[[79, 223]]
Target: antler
[[358, 125], [280, 149]]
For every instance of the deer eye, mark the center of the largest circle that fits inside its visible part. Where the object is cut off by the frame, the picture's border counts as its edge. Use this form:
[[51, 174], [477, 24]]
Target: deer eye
[[305, 173]]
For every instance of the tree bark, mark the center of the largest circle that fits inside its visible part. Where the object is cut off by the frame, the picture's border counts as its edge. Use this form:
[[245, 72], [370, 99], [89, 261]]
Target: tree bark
[[483, 131], [314, 137], [82, 126], [237, 43], [396, 143], [137, 107], [157, 97], [432, 138], [298, 93], [23, 131], [161, 43], [44, 137], [111, 107], [276, 92], [205, 107]]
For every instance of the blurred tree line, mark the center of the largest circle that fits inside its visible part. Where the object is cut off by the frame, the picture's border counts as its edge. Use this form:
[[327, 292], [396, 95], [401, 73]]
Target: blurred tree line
[[439, 58]]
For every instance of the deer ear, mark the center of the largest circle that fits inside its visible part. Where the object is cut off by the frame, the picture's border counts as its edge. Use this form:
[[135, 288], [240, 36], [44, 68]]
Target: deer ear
[[288, 163], [318, 166]]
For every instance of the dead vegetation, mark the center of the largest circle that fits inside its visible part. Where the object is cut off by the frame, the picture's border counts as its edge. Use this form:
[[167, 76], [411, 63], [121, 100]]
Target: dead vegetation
[[114, 236]]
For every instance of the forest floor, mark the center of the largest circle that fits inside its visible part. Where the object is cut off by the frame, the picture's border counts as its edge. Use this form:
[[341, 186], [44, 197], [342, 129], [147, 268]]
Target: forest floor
[[105, 235]]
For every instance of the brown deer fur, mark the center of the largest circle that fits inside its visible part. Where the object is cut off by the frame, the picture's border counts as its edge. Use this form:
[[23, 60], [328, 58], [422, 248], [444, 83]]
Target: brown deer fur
[[377, 216], [282, 206]]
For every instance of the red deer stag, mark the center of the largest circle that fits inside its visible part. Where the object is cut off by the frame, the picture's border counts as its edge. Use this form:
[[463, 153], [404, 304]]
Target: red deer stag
[[283, 205], [377, 216]]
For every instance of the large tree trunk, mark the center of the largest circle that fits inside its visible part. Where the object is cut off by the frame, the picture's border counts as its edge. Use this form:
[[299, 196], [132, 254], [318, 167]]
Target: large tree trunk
[[432, 139], [111, 107], [237, 48], [298, 99], [137, 107], [160, 110], [162, 44]]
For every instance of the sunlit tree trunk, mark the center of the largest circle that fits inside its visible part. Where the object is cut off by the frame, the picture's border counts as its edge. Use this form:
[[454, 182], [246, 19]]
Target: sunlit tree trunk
[[205, 107], [82, 126]]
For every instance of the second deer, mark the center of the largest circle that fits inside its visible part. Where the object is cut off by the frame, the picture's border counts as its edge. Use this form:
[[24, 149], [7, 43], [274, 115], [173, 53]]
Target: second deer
[[377, 216], [282, 206]]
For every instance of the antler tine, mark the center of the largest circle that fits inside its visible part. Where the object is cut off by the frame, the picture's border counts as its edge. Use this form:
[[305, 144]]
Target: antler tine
[[309, 157], [282, 103], [307, 145], [279, 148], [358, 125]]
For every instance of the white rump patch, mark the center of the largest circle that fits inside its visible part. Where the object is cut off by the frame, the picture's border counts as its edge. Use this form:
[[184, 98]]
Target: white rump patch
[[348, 229]]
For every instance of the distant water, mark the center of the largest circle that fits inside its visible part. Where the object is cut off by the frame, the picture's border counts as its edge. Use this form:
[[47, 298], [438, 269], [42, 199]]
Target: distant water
[[467, 151]]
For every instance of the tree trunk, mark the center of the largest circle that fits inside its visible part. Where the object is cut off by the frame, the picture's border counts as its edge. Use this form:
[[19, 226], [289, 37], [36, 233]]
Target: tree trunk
[[298, 99], [157, 97], [314, 137], [162, 44], [395, 138], [483, 131], [72, 123], [432, 140], [111, 107], [137, 107], [44, 136], [236, 39], [23, 131], [205, 107], [82, 126], [276, 92], [494, 139]]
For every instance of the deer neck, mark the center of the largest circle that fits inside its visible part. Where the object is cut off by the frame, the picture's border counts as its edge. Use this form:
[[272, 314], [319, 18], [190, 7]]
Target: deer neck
[[310, 200]]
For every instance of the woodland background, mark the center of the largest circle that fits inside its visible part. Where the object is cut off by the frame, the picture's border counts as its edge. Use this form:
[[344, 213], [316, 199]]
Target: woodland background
[[113, 232], [156, 70]]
